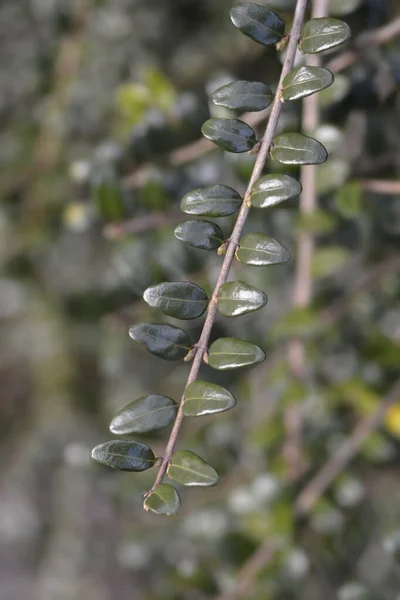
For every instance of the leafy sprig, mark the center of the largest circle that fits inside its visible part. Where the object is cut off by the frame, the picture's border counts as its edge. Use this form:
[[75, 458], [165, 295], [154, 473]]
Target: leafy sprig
[[183, 300]]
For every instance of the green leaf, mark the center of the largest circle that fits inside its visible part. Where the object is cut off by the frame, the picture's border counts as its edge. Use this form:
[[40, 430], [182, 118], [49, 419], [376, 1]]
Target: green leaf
[[189, 469], [144, 414], [165, 341], [336, 92], [327, 261], [124, 455], [258, 22], [237, 298], [231, 135], [332, 175], [243, 95], [298, 149], [108, 195], [212, 201], [348, 199], [178, 299], [318, 35], [164, 500], [231, 353], [205, 235], [203, 398], [304, 81], [260, 250], [273, 189], [343, 7]]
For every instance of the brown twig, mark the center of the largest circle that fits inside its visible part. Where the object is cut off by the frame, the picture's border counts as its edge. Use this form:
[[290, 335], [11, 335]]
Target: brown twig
[[302, 288], [346, 452], [237, 231], [381, 186], [312, 492]]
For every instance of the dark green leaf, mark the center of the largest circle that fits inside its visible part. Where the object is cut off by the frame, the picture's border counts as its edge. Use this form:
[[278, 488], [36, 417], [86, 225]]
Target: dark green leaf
[[179, 299], [189, 469], [260, 250], [211, 201], [165, 341], [164, 500], [237, 298], [124, 455], [304, 81], [258, 22], [243, 95], [144, 414], [298, 149], [203, 398], [231, 135], [231, 353], [273, 189], [318, 35], [205, 235]]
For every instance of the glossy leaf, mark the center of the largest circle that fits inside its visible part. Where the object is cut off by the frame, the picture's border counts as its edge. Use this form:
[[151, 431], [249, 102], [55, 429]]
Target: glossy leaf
[[165, 341], [260, 250], [304, 81], [258, 22], [322, 34], [144, 414], [231, 353], [237, 298], [189, 469], [273, 189], [212, 201], [164, 500], [205, 235], [124, 455], [231, 135], [178, 299], [203, 398], [298, 149], [243, 95]]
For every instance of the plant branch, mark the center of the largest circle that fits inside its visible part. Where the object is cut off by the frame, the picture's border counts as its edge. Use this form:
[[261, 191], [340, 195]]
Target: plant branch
[[346, 452], [302, 288], [237, 231], [198, 148], [313, 491]]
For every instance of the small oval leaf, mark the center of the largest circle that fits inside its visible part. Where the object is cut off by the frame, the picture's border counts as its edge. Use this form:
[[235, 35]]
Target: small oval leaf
[[205, 235], [189, 469], [260, 250], [178, 299], [164, 500], [203, 398], [258, 22], [231, 353], [237, 298], [298, 149], [165, 341], [144, 414], [244, 96], [231, 135], [304, 81], [124, 455], [212, 201], [322, 34], [273, 189]]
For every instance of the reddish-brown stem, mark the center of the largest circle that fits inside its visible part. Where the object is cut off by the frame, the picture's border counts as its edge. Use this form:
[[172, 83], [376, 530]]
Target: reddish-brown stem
[[302, 288], [237, 231]]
